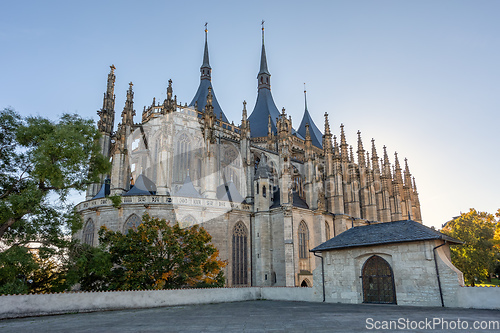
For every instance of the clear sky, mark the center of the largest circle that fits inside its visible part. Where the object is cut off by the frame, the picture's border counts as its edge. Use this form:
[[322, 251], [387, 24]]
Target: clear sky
[[421, 77]]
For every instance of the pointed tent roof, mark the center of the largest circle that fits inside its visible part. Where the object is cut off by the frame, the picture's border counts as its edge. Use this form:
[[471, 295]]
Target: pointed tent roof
[[264, 107], [104, 191], [143, 186], [315, 133], [200, 98], [383, 233], [229, 192], [187, 189]]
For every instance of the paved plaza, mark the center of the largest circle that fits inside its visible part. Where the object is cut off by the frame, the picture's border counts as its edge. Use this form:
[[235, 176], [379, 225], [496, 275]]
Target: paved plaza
[[259, 316]]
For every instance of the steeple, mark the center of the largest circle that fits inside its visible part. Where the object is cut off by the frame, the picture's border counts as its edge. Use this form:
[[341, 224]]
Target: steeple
[[313, 129], [200, 98], [107, 113], [264, 76], [264, 106], [205, 69]]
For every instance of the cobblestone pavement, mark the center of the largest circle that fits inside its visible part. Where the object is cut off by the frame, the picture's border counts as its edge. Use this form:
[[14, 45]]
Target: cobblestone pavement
[[259, 316]]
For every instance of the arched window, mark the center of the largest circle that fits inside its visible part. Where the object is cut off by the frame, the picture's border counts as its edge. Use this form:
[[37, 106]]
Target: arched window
[[378, 281], [182, 158], [303, 241], [132, 223], [240, 255], [264, 191], [88, 232], [327, 231]]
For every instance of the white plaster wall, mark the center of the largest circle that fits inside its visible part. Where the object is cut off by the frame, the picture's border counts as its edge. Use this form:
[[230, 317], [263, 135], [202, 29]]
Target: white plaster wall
[[14, 306], [478, 298]]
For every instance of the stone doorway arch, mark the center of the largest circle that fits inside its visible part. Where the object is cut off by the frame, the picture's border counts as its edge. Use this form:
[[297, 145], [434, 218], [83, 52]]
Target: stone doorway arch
[[378, 281]]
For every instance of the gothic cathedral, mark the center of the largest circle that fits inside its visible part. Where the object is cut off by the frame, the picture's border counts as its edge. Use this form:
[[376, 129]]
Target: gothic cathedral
[[266, 192]]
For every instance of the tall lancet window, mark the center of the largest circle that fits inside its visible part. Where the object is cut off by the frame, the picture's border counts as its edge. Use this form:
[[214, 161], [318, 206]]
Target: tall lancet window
[[303, 241], [327, 231], [88, 232], [182, 158], [240, 255]]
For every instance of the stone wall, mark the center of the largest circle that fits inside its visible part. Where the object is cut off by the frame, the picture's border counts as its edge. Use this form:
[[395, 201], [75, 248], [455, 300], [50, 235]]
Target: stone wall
[[413, 268]]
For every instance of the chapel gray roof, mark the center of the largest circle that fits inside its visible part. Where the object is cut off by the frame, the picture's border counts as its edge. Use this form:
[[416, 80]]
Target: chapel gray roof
[[142, 186], [229, 192], [314, 132], [383, 233], [187, 189]]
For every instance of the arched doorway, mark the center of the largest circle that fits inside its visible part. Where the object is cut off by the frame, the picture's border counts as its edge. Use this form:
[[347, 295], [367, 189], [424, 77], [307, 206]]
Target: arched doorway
[[305, 283], [378, 281]]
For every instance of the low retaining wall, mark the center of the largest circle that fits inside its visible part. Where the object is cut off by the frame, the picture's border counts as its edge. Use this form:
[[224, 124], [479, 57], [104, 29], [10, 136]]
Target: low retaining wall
[[14, 306], [478, 298]]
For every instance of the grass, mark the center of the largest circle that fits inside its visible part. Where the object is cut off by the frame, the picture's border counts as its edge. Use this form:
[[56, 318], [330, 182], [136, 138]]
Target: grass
[[493, 283]]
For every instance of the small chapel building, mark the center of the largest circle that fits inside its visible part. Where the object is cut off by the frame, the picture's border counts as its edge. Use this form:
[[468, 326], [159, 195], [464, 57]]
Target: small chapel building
[[402, 262]]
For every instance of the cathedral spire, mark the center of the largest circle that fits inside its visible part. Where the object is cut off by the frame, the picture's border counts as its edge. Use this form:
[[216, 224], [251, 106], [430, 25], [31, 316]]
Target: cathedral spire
[[205, 68], [200, 98], [265, 106], [264, 76]]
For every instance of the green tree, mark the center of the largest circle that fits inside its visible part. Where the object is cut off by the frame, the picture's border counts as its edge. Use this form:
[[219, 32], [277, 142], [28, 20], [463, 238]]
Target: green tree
[[476, 256], [89, 266], [40, 162], [162, 256]]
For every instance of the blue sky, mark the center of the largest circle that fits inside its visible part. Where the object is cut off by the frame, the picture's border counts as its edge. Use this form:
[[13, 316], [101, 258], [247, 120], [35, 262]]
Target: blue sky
[[421, 77]]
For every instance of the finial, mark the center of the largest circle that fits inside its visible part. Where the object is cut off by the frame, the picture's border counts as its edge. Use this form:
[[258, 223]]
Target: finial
[[112, 68], [283, 111], [262, 31], [206, 27], [305, 96], [130, 84]]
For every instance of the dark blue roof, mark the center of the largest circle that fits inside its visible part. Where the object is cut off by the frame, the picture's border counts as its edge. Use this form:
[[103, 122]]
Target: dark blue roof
[[316, 135], [259, 118], [201, 98], [383, 233]]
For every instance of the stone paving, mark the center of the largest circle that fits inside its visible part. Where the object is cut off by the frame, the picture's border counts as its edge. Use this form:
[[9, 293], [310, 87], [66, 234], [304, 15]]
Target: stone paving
[[257, 316]]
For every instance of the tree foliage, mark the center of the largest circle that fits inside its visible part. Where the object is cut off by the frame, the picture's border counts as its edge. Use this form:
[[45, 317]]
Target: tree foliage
[[40, 162], [159, 255], [476, 258]]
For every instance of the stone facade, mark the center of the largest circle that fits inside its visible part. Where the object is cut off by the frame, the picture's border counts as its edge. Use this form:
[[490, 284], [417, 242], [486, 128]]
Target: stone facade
[[413, 267], [265, 198]]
